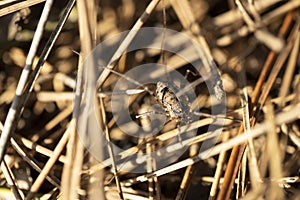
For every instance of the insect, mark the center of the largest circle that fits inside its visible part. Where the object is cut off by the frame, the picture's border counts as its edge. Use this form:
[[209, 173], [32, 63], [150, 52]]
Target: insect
[[172, 100], [176, 107], [169, 100], [175, 102]]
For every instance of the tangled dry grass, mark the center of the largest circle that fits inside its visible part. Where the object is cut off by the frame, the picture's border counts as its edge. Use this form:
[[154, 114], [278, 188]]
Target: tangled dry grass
[[256, 47]]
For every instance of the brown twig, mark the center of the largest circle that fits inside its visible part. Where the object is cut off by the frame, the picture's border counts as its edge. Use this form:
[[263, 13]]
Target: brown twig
[[237, 152]]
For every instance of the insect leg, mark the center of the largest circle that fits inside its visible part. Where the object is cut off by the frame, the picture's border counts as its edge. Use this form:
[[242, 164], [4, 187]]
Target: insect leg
[[178, 134]]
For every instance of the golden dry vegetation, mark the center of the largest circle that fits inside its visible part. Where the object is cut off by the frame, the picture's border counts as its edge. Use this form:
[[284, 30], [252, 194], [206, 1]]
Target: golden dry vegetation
[[44, 88]]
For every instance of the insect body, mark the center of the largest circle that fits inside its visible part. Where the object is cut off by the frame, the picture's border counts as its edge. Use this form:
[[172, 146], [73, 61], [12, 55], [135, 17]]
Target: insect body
[[176, 107], [169, 101]]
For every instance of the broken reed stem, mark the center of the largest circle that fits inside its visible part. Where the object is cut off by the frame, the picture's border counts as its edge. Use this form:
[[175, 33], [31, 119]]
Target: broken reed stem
[[11, 181], [266, 20], [22, 96], [219, 170], [19, 6], [36, 147], [259, 129], [274, 156], [31, 161], [187, 177], [126, 42], [110, 150], [287, 79], [21, 93], [164, 137], [260, 31], [49, 164], [237, 152], [270, 59], [75, 151]]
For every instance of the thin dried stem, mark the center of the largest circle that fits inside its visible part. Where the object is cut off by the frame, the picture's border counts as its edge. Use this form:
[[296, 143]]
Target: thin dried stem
[[253, 168], [21, 93], [278, 65], [259, 129], [237, 152], [287, 79], [11, 181], [163, 137], [128, 39], [274, 156], [218, 171], [49, 164], [241, 179], [234, 16], [260, 32], [75, 153], [36, 147], [18, 6], [110, 150], [187, 177]]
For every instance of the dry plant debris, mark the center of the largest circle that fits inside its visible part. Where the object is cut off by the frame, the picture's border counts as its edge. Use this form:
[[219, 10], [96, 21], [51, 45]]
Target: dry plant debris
[[255, 46]]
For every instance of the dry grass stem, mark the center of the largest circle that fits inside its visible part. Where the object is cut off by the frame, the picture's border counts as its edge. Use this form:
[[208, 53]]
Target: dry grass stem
[[204, 107]]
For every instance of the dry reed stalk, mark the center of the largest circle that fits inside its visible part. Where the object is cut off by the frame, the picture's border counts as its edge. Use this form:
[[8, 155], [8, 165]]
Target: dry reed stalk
[[72, 170], [187, 177], [233, 16], [287, 79], [245, 103], [259, 29], [110, 150], [125, 43], [18, 194], [66, 173], [18, 6], [49, 164], [241, 177], [274, 156], [36, 147], [243, 31], [33, 163], [149, 163], [258, 130], [218, 171], [237, 152], [91, 12], [25, 83], [83, 177], [163, 137]]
